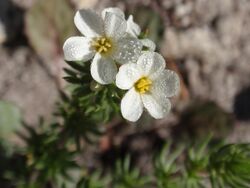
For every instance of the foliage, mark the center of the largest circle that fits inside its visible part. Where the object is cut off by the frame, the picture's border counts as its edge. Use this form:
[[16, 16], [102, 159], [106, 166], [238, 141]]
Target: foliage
[[230, 166], [99, 102], [93, 181], [166, 166], [47, 160], [52, 151], [220, 166], [127, 177], [10, 118]]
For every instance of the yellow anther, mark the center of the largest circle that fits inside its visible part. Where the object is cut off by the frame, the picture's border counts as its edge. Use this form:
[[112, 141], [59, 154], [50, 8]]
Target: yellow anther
[[108, 45], [103, 41], [102, 45], [143, 85]]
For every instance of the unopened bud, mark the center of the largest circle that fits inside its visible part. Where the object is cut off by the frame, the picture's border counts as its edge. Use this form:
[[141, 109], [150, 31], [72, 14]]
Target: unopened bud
[[94, 86]]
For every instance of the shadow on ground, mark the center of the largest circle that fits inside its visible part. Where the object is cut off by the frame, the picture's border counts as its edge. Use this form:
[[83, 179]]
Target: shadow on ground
[[242, 105]]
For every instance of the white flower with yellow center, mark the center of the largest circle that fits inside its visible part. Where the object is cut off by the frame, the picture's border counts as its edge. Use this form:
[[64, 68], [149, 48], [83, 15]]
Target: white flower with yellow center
[[133, 29], [149, 84], [106, 40]]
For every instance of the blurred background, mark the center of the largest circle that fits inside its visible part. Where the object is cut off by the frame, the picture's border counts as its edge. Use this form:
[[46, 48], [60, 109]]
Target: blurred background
[[206, 41]]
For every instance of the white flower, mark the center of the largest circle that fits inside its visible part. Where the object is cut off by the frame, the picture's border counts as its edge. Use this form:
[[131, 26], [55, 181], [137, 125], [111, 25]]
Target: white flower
[[106, 40], [149, 85], [133, 29]]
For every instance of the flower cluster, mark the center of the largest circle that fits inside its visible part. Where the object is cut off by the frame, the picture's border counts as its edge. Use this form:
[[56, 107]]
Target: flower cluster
[[111, 41]]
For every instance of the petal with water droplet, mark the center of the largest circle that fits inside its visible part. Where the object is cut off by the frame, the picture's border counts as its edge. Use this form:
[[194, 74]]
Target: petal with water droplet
[[89, 23], [133, 28], [166, 84], [113, 10], [151, 63], [77, 49], [128, 74], [128, 50], [148, 44], [131, 105], [103, 70], [114, 26], [157, 107]]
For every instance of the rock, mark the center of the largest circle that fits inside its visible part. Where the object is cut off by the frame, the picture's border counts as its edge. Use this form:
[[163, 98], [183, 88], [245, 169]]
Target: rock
[[24, 3], [215, 54], [240, 134], [84, 3], [24, 82], [206, 11], [197, 12]]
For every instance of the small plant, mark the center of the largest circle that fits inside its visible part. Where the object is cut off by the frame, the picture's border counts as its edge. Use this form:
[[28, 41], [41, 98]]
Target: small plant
[[113, 55], [125, 176]]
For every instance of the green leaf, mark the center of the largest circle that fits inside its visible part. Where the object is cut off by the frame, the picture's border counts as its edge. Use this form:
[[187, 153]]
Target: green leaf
[[127, 177], [230, 165], [10, 118]]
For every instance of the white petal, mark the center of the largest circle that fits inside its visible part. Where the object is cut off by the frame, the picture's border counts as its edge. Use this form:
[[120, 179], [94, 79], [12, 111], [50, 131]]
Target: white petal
[[157, 107], [151, 63], [148, 44], [127, 75], [89, 23], [132, 28], [114, 25], [113, 10], [167, 84], [103, 70], [131, 105], [77, 49], [128, 50]]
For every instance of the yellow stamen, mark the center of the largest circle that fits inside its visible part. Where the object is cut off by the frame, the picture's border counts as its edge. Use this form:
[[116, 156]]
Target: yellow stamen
[[102, 45], [103, 41], [143, 85]]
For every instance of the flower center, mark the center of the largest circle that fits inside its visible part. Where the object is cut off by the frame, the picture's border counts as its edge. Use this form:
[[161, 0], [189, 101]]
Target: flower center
[[143, 85], [102, 45]]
